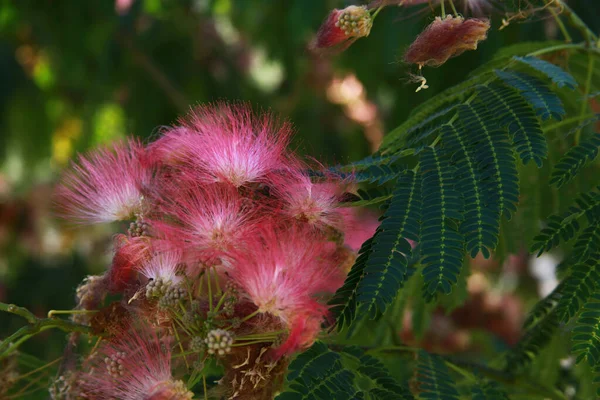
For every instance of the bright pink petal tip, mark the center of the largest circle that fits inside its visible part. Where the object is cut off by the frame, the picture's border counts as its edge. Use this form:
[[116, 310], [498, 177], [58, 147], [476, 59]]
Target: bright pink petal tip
[[228, 144], [105, 185]]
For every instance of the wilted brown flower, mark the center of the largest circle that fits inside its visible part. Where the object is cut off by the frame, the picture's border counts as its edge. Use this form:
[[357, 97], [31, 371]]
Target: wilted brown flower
[[343, 27], [445, 38]]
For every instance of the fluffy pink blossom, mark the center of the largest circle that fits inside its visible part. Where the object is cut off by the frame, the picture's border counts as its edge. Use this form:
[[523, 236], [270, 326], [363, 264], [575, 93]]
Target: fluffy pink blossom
[[164, 266], [315, 203], [228, 144], [282, 274], [136, 366], [210, 219], [106, 185]]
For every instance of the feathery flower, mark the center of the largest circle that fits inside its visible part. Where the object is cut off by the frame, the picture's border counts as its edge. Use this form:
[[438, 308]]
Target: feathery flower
[[446, 38], [106, 185], [343, 27], [135, 366], [283, 273], [164, 266], [229, 144], [212, 219], [314, 203]]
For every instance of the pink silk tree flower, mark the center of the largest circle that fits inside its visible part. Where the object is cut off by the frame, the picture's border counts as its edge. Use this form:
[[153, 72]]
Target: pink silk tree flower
[[445, 38], [315, 203], [283, 272], [134, 366], [343, 27], [106, 185], [210, 220], [230, 144], [163, 266]]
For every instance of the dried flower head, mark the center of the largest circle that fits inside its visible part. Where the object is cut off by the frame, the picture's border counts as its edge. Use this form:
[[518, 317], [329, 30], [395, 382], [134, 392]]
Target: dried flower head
[[445, 38], [343, 27], [93, 192]]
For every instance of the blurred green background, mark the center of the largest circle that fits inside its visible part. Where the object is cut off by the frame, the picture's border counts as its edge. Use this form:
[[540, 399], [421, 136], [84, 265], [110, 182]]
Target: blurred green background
[[75, 74]]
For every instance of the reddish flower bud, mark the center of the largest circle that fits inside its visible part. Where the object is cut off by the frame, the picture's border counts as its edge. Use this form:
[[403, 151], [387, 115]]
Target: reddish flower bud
[[446, 38], [343, 27]]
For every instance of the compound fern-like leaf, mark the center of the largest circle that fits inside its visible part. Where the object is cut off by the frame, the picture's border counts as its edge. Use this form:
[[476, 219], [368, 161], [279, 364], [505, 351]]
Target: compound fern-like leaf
[[344, 302], [441, 243], [494, 156], [546, 103], [574, 160], [554, 72], [578, 287], [385, 270], [530, 345], [481, 222], [565, 226], [516, 114], [586, 334], [433, 381], [318, 374]]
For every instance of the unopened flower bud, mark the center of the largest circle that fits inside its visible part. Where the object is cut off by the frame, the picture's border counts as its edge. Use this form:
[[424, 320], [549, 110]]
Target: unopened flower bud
[[114, 364], [219, 342], [342, 27]]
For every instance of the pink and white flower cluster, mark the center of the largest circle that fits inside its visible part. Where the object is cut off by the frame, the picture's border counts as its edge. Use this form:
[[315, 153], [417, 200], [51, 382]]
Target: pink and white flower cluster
[[226, 226]]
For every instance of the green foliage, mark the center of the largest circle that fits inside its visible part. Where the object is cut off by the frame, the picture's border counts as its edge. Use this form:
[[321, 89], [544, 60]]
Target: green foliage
[[466, 149], [488, 390], [386, 268], [557, 74], [513, 112], [318, 373], [344, 303], [546, 103], [565, 226], [433, 379], [586, 335], [533, 341], [441, 243], [576, 158]]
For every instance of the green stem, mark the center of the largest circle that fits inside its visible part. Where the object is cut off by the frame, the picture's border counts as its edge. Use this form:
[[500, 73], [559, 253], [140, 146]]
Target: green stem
[[36, 325], [561, 25], [37, 369], [443, 5], [21, 311], [376, 12], [577, 23], [251, 315], [453, 8], [52, 313], [566, 46], [210, 299], [249, 343], [567, 121]]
